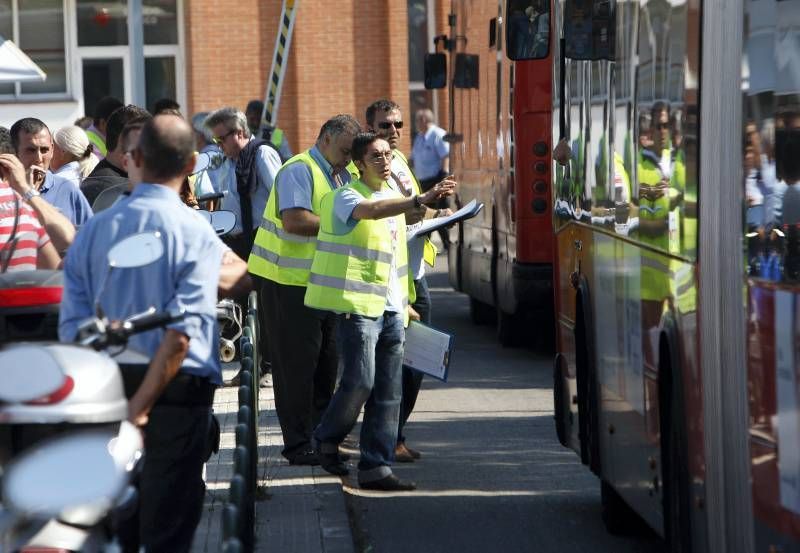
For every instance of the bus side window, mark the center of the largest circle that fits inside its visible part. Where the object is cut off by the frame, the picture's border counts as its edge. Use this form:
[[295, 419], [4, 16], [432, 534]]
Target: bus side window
[[528, 29]]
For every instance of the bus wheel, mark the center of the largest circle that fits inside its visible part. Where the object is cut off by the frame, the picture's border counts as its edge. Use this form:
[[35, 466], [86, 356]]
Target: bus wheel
[[677, 503], [480, 313], [508, 331], [560, 402], [674, 455], [618, 517]]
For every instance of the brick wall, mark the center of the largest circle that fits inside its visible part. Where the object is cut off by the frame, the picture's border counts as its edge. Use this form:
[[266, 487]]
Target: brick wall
[[344, 55]]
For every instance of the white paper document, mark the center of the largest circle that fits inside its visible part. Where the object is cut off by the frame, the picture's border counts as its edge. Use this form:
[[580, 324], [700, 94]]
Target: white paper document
[[427, 350], [429, 225]]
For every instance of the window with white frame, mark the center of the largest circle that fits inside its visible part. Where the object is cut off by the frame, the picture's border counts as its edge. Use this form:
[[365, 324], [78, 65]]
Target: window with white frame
[[37, 27]]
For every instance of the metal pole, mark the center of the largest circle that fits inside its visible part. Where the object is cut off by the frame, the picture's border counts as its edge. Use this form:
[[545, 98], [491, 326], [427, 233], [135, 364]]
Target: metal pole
[[136, 52], [728, 503]]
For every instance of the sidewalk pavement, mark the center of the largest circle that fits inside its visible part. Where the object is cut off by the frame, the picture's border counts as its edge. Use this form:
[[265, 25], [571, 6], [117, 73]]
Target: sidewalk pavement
[[299, 509]]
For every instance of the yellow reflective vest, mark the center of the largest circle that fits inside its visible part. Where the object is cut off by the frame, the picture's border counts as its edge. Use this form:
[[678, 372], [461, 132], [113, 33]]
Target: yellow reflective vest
[[350, 272], [279, 255]]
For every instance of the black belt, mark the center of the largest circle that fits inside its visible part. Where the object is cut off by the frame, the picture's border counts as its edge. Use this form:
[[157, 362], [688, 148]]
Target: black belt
[[185, 390]]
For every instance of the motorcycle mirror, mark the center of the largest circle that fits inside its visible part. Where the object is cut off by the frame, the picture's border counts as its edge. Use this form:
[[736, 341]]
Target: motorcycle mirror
[[223, 221], [78, 471], [28, 373], [137, 250]]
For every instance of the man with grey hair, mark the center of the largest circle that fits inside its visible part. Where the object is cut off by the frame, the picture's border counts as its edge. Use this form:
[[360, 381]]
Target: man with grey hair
[[302, 339], [248, 186], [219, 166]]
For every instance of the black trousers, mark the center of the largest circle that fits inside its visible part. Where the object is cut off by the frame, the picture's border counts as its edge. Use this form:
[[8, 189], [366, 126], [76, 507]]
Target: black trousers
[[304, 361], [171, 487], [412, 380]]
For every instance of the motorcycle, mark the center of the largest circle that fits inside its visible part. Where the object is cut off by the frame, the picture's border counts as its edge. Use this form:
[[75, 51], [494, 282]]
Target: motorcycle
[[62, 410]]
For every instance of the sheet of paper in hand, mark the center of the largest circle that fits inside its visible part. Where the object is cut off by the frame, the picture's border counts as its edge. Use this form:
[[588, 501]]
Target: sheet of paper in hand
[[429, 225]]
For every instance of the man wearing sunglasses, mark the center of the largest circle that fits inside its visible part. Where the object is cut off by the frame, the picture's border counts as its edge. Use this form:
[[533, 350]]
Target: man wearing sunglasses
[[249, 185], [385, 119]]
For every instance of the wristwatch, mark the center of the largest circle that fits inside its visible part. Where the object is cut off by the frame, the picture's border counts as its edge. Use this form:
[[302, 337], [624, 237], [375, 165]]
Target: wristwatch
[[417, 201], [31, 193]]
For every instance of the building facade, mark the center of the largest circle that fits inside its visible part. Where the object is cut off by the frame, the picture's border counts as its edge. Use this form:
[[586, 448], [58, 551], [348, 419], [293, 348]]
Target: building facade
[[208, 54]]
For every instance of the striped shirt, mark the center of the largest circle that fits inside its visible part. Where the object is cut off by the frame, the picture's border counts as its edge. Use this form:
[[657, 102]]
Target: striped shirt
[[30, 235]]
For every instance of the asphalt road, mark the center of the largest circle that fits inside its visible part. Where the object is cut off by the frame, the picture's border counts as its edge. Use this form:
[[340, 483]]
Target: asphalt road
[[493, 476]]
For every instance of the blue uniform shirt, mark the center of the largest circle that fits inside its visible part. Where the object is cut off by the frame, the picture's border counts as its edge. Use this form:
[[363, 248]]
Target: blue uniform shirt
[[185, 277], [268, 163], [67, 197], [295, 186], [428, 152]]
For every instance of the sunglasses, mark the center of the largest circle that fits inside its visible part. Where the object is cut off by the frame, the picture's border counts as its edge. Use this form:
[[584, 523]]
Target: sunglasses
[[220, 139], [662, 126], [385, 125]]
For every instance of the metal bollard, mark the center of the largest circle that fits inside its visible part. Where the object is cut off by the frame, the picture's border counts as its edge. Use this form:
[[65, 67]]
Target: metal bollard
[[243, 415], [232, 545], [231, 522], [243, 434], [244, 395], [246, 376], [241, 463], [237, 495]]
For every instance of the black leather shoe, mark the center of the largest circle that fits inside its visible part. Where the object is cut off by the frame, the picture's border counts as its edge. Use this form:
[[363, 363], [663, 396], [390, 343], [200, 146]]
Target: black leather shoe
[[305, 458], [332, 463], [389, 483]]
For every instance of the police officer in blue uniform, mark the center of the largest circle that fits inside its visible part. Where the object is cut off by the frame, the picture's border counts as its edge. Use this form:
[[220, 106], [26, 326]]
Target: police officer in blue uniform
[[171, 398]]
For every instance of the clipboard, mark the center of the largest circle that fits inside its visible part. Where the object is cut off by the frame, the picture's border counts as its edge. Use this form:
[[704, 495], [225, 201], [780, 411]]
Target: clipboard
[[429, 225], [428, 350]]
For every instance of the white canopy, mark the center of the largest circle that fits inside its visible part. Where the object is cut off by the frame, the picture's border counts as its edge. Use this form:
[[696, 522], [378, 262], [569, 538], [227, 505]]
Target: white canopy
[[16, 66]]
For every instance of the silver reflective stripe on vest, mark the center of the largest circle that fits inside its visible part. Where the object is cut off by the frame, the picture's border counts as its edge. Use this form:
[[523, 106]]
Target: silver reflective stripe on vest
[[282, 261], [355, 251], [348, 285], [271, 227], [402, 271]]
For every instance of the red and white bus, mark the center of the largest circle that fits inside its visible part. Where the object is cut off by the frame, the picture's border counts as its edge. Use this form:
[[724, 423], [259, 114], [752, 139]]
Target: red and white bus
[[677, 373], [500, 106]]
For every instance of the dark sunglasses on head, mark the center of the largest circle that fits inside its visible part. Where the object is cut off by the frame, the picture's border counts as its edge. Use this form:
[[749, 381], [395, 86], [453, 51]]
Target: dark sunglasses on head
[[386, 124]]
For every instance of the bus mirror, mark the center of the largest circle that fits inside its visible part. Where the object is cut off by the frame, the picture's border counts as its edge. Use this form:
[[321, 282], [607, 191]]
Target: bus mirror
[[466, 71], [528, 29], [435, 71], [589, 29]]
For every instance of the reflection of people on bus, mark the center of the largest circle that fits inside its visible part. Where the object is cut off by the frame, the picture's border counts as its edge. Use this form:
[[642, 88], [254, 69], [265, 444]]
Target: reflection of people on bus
[[657, 196], [788, 152], [529, 29]]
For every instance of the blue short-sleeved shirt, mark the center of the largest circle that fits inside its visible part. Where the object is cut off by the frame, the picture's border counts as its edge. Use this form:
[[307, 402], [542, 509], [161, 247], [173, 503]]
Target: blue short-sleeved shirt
[[186, 276], [428, 152], [268, 163], [67, 197], [295, 184]]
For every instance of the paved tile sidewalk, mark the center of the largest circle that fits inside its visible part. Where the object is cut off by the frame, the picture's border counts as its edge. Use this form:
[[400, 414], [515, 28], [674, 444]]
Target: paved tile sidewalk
[[302, 509]]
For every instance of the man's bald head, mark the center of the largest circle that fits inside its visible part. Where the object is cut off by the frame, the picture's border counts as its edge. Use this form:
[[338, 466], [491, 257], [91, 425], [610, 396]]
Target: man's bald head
[[166, 145]]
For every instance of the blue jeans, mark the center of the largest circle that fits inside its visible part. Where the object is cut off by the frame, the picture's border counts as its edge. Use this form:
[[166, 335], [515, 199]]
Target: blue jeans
[[372, 354]]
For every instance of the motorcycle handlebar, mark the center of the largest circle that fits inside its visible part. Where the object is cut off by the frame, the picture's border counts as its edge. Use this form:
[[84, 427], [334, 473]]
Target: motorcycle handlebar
[[210, 197], [156, 320]]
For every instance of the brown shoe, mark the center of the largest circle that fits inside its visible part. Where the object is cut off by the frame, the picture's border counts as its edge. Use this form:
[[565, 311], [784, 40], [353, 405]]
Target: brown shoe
[[402, 454], [413, 452]]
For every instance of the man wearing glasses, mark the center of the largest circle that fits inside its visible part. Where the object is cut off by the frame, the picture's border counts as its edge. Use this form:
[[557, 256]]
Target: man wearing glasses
[[302, 341], [360, 271], [248, 187], [385, 119]]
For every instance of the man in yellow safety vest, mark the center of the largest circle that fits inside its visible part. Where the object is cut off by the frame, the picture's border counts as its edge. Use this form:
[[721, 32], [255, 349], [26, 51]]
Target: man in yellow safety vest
[[302, 340], [361, 272]]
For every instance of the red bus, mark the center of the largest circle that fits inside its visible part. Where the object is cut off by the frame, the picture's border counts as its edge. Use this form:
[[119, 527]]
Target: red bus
[[677, 273], [500, 118]]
